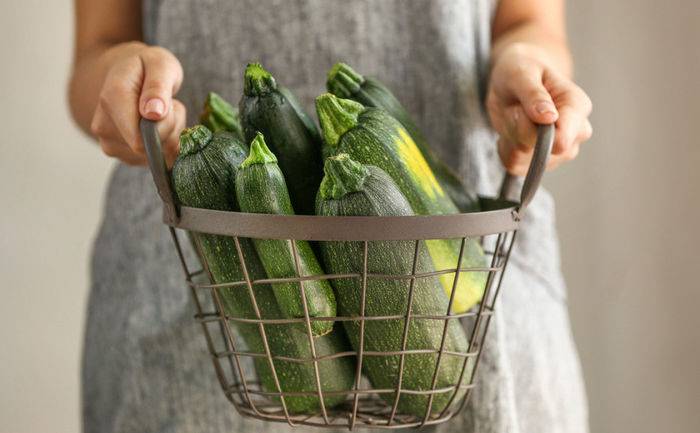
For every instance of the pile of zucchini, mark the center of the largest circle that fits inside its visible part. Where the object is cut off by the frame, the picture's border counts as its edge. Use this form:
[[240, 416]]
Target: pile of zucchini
[[367, 159]]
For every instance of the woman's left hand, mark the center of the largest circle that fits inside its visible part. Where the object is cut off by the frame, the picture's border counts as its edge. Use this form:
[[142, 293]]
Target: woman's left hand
[[524, 91]]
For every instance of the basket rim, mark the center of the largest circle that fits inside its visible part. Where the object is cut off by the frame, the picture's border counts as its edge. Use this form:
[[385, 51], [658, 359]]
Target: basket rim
[[501, 217]]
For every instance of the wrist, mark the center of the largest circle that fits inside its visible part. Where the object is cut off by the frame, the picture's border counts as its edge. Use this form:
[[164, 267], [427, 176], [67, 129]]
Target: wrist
[[534, 44], [521, 52], [109, 54]]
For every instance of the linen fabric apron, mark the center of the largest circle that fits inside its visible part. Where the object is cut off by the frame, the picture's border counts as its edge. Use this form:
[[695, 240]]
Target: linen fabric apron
[[145, 365]]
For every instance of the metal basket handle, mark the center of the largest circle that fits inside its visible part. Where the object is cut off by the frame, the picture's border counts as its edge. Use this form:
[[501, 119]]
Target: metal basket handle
[[159, 170], [543, 148]]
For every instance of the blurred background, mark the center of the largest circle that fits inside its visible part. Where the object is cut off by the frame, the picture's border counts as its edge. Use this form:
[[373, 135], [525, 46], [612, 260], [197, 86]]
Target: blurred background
[[628, 214]]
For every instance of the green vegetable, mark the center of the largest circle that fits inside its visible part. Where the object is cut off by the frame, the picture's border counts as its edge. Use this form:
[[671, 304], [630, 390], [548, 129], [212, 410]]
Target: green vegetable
[[260, 188], [292, 136], [345, 82], [371, 136], [219, 115], [204, 177], [353, 189]]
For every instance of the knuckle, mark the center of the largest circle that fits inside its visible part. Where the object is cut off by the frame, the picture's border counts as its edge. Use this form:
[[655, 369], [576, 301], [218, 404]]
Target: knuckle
[[112, 91], [159, 52], [570, 154], [163, 57], [536, 94], [155, 84], [586, 102], [561, 146], [180, 113], [137, 147], [97, 128], [108, 149]]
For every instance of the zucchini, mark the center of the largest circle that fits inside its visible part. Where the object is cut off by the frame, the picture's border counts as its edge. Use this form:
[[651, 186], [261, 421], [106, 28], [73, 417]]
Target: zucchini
[[371, 136], [219, 115], [260, 188], [353, 189], [273, 110], [204, 177], [345, 82]]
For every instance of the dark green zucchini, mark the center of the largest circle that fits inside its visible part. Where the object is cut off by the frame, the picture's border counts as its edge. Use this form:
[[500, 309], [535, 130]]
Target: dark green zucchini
[[292, 136], [260, 188], [353, 189], [345, 82], [371, 136], [219, 115], [204, 177]]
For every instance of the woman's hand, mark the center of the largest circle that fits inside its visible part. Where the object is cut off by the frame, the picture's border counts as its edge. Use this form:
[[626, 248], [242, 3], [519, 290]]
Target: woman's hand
[[139, 81], [524, 91]]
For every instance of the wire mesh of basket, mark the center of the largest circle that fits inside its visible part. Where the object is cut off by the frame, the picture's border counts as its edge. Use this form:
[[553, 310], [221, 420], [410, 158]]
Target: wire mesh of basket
[[359, 404]]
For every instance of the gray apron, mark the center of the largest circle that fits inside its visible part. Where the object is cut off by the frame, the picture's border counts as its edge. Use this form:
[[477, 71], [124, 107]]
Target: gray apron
[[145, 364]]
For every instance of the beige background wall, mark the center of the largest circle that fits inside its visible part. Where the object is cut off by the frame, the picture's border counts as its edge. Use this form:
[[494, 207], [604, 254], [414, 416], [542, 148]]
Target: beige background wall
[[626, 213], [629, 211]]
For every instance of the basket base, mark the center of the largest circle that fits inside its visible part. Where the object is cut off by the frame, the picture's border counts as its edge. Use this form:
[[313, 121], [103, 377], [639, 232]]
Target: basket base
[[372, 413]]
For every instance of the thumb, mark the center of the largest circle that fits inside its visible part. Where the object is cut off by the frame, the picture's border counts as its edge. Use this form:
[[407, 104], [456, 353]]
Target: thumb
[[162, 79], [534, 97]]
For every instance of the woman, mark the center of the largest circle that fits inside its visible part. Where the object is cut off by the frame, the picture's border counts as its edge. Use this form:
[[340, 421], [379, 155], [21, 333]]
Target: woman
[[478, 75]]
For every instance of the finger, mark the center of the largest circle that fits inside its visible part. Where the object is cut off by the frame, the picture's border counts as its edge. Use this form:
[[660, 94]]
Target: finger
[[570, 126], [162, 79], [121, 151], [102, 126], [585, 133], [519, 128], [527, 86], [514, 160], [566, 93], [574, 107]]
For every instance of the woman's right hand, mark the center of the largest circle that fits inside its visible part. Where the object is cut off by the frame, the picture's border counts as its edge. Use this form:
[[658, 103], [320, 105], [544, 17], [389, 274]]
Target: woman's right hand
[[140, 81]]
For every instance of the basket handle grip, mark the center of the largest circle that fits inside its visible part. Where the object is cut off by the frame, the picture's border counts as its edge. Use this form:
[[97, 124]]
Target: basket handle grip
[[543, 147], [159, 171]]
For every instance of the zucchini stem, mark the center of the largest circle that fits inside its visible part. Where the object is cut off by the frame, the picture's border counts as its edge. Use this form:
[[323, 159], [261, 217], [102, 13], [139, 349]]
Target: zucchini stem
[[258, 81], [220, 115], [259, 153], [343, 176], [337, 116], [343, 81], [194, 139]]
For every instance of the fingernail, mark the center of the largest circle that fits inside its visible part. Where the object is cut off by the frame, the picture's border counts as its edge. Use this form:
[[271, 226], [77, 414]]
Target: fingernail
[[155, 106], [544, 107]]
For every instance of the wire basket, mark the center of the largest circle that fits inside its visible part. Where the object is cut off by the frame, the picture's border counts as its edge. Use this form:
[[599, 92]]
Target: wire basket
[[362, 404]]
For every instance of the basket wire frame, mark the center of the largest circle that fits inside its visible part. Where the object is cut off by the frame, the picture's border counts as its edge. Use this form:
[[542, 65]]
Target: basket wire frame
[[363, 407], [495, 229]]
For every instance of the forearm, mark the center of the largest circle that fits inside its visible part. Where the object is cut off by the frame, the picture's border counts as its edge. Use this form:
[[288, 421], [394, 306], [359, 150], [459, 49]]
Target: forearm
[[536, 28], [551, 48], [103, 33]]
